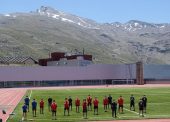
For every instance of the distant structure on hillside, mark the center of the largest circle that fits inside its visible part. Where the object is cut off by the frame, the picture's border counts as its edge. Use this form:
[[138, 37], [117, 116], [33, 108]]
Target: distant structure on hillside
[[66, 59], [14, 61]]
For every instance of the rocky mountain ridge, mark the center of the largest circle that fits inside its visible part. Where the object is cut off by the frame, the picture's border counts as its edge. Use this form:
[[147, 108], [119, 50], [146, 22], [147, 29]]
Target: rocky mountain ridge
[[47, 30]]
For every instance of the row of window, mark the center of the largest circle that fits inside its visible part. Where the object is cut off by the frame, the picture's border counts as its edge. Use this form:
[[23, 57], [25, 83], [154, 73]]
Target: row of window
[[10, 84]]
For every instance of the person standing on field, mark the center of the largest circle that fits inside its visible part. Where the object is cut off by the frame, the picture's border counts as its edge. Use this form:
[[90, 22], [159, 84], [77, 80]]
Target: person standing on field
[[144, 99], [49, 103], [105, 103], [96, 105], [141, 107], [84, 108], [109, 100], [77, 103], [66, 106], [54, 109], [132, 103], [34, 107], [27, 102], [70, 103], [114, 108], [42, 106], [24, 110], [89, 102], [120, 102]]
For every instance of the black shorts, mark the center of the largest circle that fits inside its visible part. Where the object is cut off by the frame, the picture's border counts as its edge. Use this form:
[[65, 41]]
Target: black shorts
[[132, 104], [70, 104], [84, 110], [140, 108], [89, 104], [25, 111], [144, 105], [95, 107], [120, 106], [53, 111], [34, 109], [66, 108]]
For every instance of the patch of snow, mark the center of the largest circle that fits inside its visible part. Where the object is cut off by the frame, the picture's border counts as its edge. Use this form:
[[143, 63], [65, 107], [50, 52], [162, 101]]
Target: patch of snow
[[130, 27], [117, 25], [55, 16], [42, 13], [82, 20], [68, 20], [162, 26], [136, 24], [7, 15]]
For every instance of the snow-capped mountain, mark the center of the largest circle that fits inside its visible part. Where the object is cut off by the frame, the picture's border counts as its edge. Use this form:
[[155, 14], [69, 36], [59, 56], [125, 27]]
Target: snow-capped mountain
[[46, 30], [53, 13], [135, 25]]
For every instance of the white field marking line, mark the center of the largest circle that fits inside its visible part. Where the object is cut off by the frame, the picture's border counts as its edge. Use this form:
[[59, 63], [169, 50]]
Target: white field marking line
[[159, 103], [131, 111], [158, 115], [130, 116], [30, 94]]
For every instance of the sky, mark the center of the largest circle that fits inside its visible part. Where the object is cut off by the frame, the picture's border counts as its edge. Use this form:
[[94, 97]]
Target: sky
[[103, 11]]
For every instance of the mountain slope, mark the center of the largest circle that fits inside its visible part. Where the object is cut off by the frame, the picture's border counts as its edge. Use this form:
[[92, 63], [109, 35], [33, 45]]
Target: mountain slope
[[46, 30]]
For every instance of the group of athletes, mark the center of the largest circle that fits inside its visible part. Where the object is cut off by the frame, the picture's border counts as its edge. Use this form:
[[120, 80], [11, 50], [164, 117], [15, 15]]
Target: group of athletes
[[108, 103]]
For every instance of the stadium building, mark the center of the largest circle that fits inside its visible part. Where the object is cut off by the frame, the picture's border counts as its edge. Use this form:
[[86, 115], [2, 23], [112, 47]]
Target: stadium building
[[68, 70]]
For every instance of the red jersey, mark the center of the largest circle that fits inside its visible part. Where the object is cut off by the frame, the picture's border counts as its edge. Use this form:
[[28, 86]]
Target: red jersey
[[84, 105], [120, 101], [77, 102], [89, 99], [105, 101], [95, 102], [53, 106], [41, 103], [66, 104]]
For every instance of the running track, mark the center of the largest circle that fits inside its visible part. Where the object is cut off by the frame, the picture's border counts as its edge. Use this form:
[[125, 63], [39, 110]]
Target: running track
[[9, 100], [11, 97]]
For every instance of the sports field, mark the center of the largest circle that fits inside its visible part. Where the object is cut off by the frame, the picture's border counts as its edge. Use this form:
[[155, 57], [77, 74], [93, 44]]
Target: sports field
[[158, 103]]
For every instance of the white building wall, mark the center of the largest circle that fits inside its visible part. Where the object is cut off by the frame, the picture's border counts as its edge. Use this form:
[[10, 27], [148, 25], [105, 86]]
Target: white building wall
[[64, 62]]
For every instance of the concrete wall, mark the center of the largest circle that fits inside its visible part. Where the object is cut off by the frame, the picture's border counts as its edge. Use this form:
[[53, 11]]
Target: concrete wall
[[157, 72], [49, 73]]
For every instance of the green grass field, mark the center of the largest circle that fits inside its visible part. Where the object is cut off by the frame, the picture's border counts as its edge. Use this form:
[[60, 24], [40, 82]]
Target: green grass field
[[158, 104]]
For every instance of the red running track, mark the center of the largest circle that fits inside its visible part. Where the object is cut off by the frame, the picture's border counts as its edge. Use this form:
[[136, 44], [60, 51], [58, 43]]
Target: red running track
[[9, 100]]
